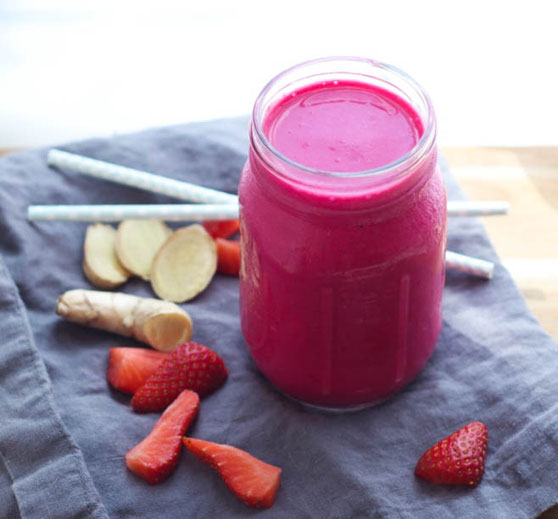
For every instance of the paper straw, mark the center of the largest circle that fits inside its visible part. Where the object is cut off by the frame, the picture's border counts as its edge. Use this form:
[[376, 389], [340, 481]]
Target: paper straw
[[116, 213], [193, 193], [139, 179], [194, 213], [473, 208], [467, 264]]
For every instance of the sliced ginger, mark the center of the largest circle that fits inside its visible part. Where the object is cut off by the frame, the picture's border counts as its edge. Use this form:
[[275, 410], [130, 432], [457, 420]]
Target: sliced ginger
[[100, 263], [184, 265], [137, 242], [160, 324]]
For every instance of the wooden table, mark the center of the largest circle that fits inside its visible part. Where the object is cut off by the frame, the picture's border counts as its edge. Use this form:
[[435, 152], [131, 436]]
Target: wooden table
[[527, 238]]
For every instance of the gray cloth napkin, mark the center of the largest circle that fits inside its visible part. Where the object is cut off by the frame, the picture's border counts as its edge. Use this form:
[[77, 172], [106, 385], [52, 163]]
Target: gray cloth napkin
[[493, 363]]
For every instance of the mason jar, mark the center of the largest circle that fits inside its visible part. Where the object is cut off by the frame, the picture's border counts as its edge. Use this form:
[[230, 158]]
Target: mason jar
[[343, 232]]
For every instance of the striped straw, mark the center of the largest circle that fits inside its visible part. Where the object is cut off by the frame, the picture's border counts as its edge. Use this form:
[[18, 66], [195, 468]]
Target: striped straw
[[469, 208], [116, 213], [193, 193], [139, 179], [469, 265], [198, 212]]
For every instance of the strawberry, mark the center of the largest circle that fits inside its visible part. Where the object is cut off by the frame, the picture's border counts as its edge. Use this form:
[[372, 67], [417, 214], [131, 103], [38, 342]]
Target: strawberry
[[221, 229], [190, 366], [156, 456], [129, 368], [458, 459], [228, 256], [253, 481]]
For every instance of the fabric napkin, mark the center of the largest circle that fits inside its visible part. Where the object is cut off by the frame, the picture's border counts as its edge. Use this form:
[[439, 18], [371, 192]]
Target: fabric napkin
[[64, 432]]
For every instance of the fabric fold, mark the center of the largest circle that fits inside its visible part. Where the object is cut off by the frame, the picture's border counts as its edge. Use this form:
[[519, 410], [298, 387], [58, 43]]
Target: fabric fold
[[46, 469]]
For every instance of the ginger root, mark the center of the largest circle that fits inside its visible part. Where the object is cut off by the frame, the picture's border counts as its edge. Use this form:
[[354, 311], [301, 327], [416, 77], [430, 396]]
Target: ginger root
[[137, 242], [184, 265], [100, 264], [160, 324]]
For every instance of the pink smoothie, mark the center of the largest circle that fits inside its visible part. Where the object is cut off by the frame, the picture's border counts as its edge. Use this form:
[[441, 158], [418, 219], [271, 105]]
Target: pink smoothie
[[342, 276], [343, 127]]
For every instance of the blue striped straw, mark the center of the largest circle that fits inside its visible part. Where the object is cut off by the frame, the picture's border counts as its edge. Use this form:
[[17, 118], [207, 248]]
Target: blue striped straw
[[477, 208], [192, 213], [139, 179], [469, 265], [193, 193], [117, 213]]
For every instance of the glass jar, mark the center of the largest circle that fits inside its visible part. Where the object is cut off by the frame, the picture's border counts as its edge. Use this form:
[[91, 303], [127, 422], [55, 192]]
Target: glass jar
[[342, 273]]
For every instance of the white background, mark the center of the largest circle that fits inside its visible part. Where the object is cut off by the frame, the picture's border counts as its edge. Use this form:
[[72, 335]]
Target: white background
[[71, 69]]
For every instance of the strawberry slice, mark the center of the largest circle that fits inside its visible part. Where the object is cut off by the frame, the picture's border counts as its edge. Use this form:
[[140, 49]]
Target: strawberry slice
[[221, 229], [253, 481], [458, 459], [190, 366], [228, 256], [129, 368], [155, 458]]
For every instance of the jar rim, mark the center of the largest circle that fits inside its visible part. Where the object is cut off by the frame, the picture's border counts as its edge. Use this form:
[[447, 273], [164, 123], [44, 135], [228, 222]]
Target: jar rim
[[421, 146]]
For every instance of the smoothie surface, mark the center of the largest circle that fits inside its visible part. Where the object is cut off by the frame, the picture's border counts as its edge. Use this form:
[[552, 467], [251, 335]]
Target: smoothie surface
[[342, 126]]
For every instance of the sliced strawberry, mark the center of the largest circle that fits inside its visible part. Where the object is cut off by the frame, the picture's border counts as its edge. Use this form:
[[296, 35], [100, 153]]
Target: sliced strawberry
[[228, 256], [222, 228], [253, 481], [129, 368], [155, 458], [458, 459], [190, 366]]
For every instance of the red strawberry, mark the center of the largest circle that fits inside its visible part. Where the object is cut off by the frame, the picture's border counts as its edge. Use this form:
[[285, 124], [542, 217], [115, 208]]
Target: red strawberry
[[221, 229], [129, 368], [228, 256], [190, 366], [253, 481], [156, 456], [458, 459]]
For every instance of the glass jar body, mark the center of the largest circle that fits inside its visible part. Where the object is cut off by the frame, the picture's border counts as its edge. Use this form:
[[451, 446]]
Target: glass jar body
[[341, 280]]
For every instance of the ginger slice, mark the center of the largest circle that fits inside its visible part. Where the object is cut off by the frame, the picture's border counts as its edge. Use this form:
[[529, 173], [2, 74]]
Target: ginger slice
[[137, 242], [100, 263], [161, 324], [184, 265]]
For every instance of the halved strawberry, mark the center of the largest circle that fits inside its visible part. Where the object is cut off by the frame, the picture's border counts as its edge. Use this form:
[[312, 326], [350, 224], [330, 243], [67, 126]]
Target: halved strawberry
[[253, 481], [228, 256], [458, 459], [156, 456], [222, 228], [129, 368], [190, 366]]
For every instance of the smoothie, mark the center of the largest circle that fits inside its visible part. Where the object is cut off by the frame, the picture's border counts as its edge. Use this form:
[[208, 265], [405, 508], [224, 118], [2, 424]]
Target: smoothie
[[342, 126], [343, 261]]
